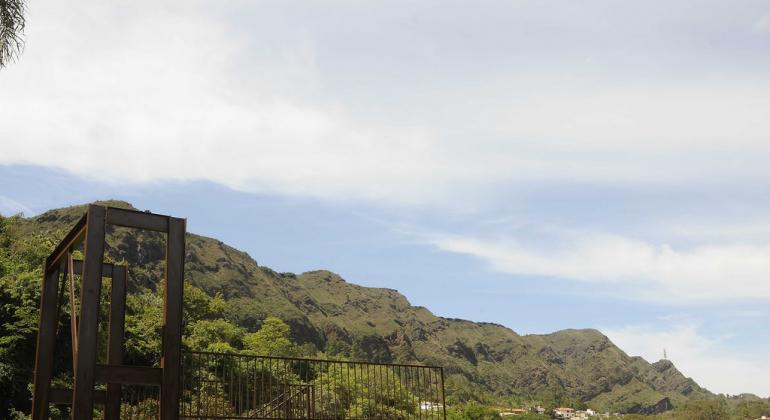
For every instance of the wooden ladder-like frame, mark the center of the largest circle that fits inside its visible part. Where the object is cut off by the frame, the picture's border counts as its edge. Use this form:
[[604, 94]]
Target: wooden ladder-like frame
[[91, 228]]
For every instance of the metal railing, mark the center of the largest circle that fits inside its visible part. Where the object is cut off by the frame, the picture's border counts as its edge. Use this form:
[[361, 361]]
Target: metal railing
[[139, 402], [237, 386]]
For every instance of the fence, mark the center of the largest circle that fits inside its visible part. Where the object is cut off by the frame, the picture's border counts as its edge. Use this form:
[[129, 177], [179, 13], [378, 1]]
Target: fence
[[235, 386]]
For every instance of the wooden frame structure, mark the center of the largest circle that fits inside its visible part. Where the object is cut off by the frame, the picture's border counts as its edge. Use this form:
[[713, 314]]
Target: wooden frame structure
[[91, 228]]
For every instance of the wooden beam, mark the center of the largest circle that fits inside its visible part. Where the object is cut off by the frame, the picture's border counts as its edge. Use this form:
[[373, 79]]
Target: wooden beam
[[130, 375], [73, 308], [64, 396], [46, 343], [106, 268], [115, 340], [72, 239], [137, 219], [83, 395], [171, 357]]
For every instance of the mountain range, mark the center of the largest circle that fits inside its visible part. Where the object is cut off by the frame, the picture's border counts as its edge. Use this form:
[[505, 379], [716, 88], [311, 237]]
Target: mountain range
[[481, 360]]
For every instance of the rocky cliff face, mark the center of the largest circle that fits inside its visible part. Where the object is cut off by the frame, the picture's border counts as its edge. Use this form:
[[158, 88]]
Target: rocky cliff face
[[381, 325]]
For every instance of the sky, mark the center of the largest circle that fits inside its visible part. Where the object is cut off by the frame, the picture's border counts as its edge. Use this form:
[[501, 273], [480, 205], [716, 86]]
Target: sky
[[539, 164]]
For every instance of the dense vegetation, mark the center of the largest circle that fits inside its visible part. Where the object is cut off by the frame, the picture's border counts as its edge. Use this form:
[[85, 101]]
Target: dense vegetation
[[234, 305]]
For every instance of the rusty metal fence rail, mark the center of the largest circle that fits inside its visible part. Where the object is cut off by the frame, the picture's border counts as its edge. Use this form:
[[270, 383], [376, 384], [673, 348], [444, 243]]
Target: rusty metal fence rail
[[140, 402], [237, 386]]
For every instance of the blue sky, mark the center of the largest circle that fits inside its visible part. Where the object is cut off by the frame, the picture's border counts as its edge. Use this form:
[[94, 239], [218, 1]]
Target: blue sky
[[543, 165]]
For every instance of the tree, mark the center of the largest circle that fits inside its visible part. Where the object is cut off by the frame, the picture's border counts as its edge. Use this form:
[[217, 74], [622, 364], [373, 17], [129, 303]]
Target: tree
[[11, 30], [216, 335], [472, 411], [273, 339], [703, 410]]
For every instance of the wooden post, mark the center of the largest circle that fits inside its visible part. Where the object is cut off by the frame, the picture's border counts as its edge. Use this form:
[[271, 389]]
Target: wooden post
[[46, 343], [116, 335], [170, 391], [70, 273], [83, 391]]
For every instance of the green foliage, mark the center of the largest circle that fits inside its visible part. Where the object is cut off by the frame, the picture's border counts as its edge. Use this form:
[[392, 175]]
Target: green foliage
[[753, 409], [215, 335], [460, 390], [703, 410], [246, 312], [273, 339], [353, 394], [20, 273], [533, 416], [371, 348], [472, 411], [144, 321], [199, 305], [339, 348]]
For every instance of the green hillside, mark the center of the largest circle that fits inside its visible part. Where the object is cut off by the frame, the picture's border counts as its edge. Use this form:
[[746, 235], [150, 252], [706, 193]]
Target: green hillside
[[484, 362]]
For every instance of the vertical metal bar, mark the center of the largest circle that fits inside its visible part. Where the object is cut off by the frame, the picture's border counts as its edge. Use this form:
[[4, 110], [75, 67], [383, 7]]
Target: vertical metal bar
[[83, 390], [353, 387], [115, 340], [416, 390], [398, 392], [172, 316], [46, 343], [443, 393], [372, 387], [254, 402], [438, 391], [336, 403], [430, 383], [389, 401], [240, 387], [206, 385], [367, 398], [222, 399], [312, 398], [270, 386], [433, 398], [199, 374], [376, 390], [410, 388]]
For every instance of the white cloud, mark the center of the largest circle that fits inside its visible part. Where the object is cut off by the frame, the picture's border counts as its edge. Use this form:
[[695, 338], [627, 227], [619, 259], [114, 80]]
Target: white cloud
[[637, 269], [697, 356], [762, 24], [142, 92], [162, 98]]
